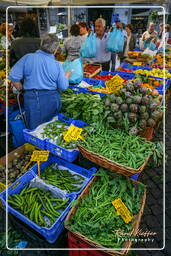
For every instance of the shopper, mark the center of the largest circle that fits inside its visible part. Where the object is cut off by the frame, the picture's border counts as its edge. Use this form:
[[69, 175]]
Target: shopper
[[43, 78], [161, 28], [10, 36], [165, 36], [130, 41], [16, 31], [28, 43], [83, 30], [103, 56], [73, 43], [148, 36]]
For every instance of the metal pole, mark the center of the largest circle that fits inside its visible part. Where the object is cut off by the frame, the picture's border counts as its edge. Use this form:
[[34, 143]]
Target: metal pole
[[38, 18], [69, 19]]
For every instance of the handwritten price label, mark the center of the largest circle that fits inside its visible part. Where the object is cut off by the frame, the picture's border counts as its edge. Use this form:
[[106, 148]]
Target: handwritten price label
[[122, 210], [38, 156], [41, 156], [117, 79], [73, 133]]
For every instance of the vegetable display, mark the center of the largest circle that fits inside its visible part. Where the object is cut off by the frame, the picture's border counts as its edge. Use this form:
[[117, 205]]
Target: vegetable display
[[38, 205], [126, 149], [62, 179], [13, 239], [134, 107], [89, 68], [96, 218], [55, 131], [15, 167], [86, 107], [154, 72], [103, 77]]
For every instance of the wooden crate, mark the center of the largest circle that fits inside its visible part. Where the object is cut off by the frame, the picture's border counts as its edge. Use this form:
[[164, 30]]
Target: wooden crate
[[90, 75]]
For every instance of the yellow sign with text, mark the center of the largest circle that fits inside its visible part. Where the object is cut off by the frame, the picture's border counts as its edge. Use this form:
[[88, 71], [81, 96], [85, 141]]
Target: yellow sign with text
[[41, 156], [122, 210], [38, 156], [73, 133]]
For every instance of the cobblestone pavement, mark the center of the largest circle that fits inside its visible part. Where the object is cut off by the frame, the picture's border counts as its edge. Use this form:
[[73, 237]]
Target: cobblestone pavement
[[152, 219]]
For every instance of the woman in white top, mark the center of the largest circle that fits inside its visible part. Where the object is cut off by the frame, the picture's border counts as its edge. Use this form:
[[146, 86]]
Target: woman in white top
[[165, 35]]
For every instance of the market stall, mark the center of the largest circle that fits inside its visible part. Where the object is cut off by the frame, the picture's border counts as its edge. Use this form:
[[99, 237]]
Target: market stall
[[108, 118]]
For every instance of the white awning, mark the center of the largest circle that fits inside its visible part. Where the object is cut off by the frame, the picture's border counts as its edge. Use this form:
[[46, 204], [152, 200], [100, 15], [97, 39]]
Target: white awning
[[27, 2]]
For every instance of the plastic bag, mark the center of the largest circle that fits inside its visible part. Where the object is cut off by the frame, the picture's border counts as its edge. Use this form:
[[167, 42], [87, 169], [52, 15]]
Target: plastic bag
[[149, 52], [16, 127], [116, 41], [77, 70], [88, 47]]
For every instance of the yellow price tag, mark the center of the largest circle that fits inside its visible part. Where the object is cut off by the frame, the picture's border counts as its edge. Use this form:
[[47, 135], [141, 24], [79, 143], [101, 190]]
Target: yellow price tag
[[137, 63], [73, 133], [117, 79], [122, 210], [38, 156]]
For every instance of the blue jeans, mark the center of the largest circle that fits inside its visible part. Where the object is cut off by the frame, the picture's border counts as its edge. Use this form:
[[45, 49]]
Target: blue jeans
[[40, 106]]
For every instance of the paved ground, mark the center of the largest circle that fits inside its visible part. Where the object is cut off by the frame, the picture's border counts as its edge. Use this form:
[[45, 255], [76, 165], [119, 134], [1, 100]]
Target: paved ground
[[152, 219]]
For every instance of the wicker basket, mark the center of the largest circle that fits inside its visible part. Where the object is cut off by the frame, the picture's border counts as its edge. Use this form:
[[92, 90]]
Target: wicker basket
[[109, 164], [135, 226]]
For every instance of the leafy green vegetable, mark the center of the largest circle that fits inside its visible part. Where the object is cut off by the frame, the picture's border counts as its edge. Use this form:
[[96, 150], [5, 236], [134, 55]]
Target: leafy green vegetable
[[83, 106], [96, 218]]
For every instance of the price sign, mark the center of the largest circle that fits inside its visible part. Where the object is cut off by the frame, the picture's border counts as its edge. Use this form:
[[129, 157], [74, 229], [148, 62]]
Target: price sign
[[38, 156], [137, 63], [114, 84], [122, 210], [117, 79], [113, 87], [73, 133]]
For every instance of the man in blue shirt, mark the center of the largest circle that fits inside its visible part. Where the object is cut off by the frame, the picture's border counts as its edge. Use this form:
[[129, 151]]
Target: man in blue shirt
[[44, 79]]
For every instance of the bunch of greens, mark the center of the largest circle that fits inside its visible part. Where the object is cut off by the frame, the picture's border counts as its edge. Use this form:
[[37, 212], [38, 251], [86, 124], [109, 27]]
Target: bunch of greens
[[96, 217], [83, 106]]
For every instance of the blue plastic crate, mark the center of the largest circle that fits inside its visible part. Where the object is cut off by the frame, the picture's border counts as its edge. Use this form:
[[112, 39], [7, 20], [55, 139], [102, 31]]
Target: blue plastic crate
[[28, 137], [124, 75], [87, 174], [135, 67], [67, 154], [137, 50], [50, 234], [92, 82], [41, 143]]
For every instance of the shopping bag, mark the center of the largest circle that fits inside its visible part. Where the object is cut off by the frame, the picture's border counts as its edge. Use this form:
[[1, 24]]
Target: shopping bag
[[16, 127], [149, 52], [116, 41], [76, 68], [88, 47]]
